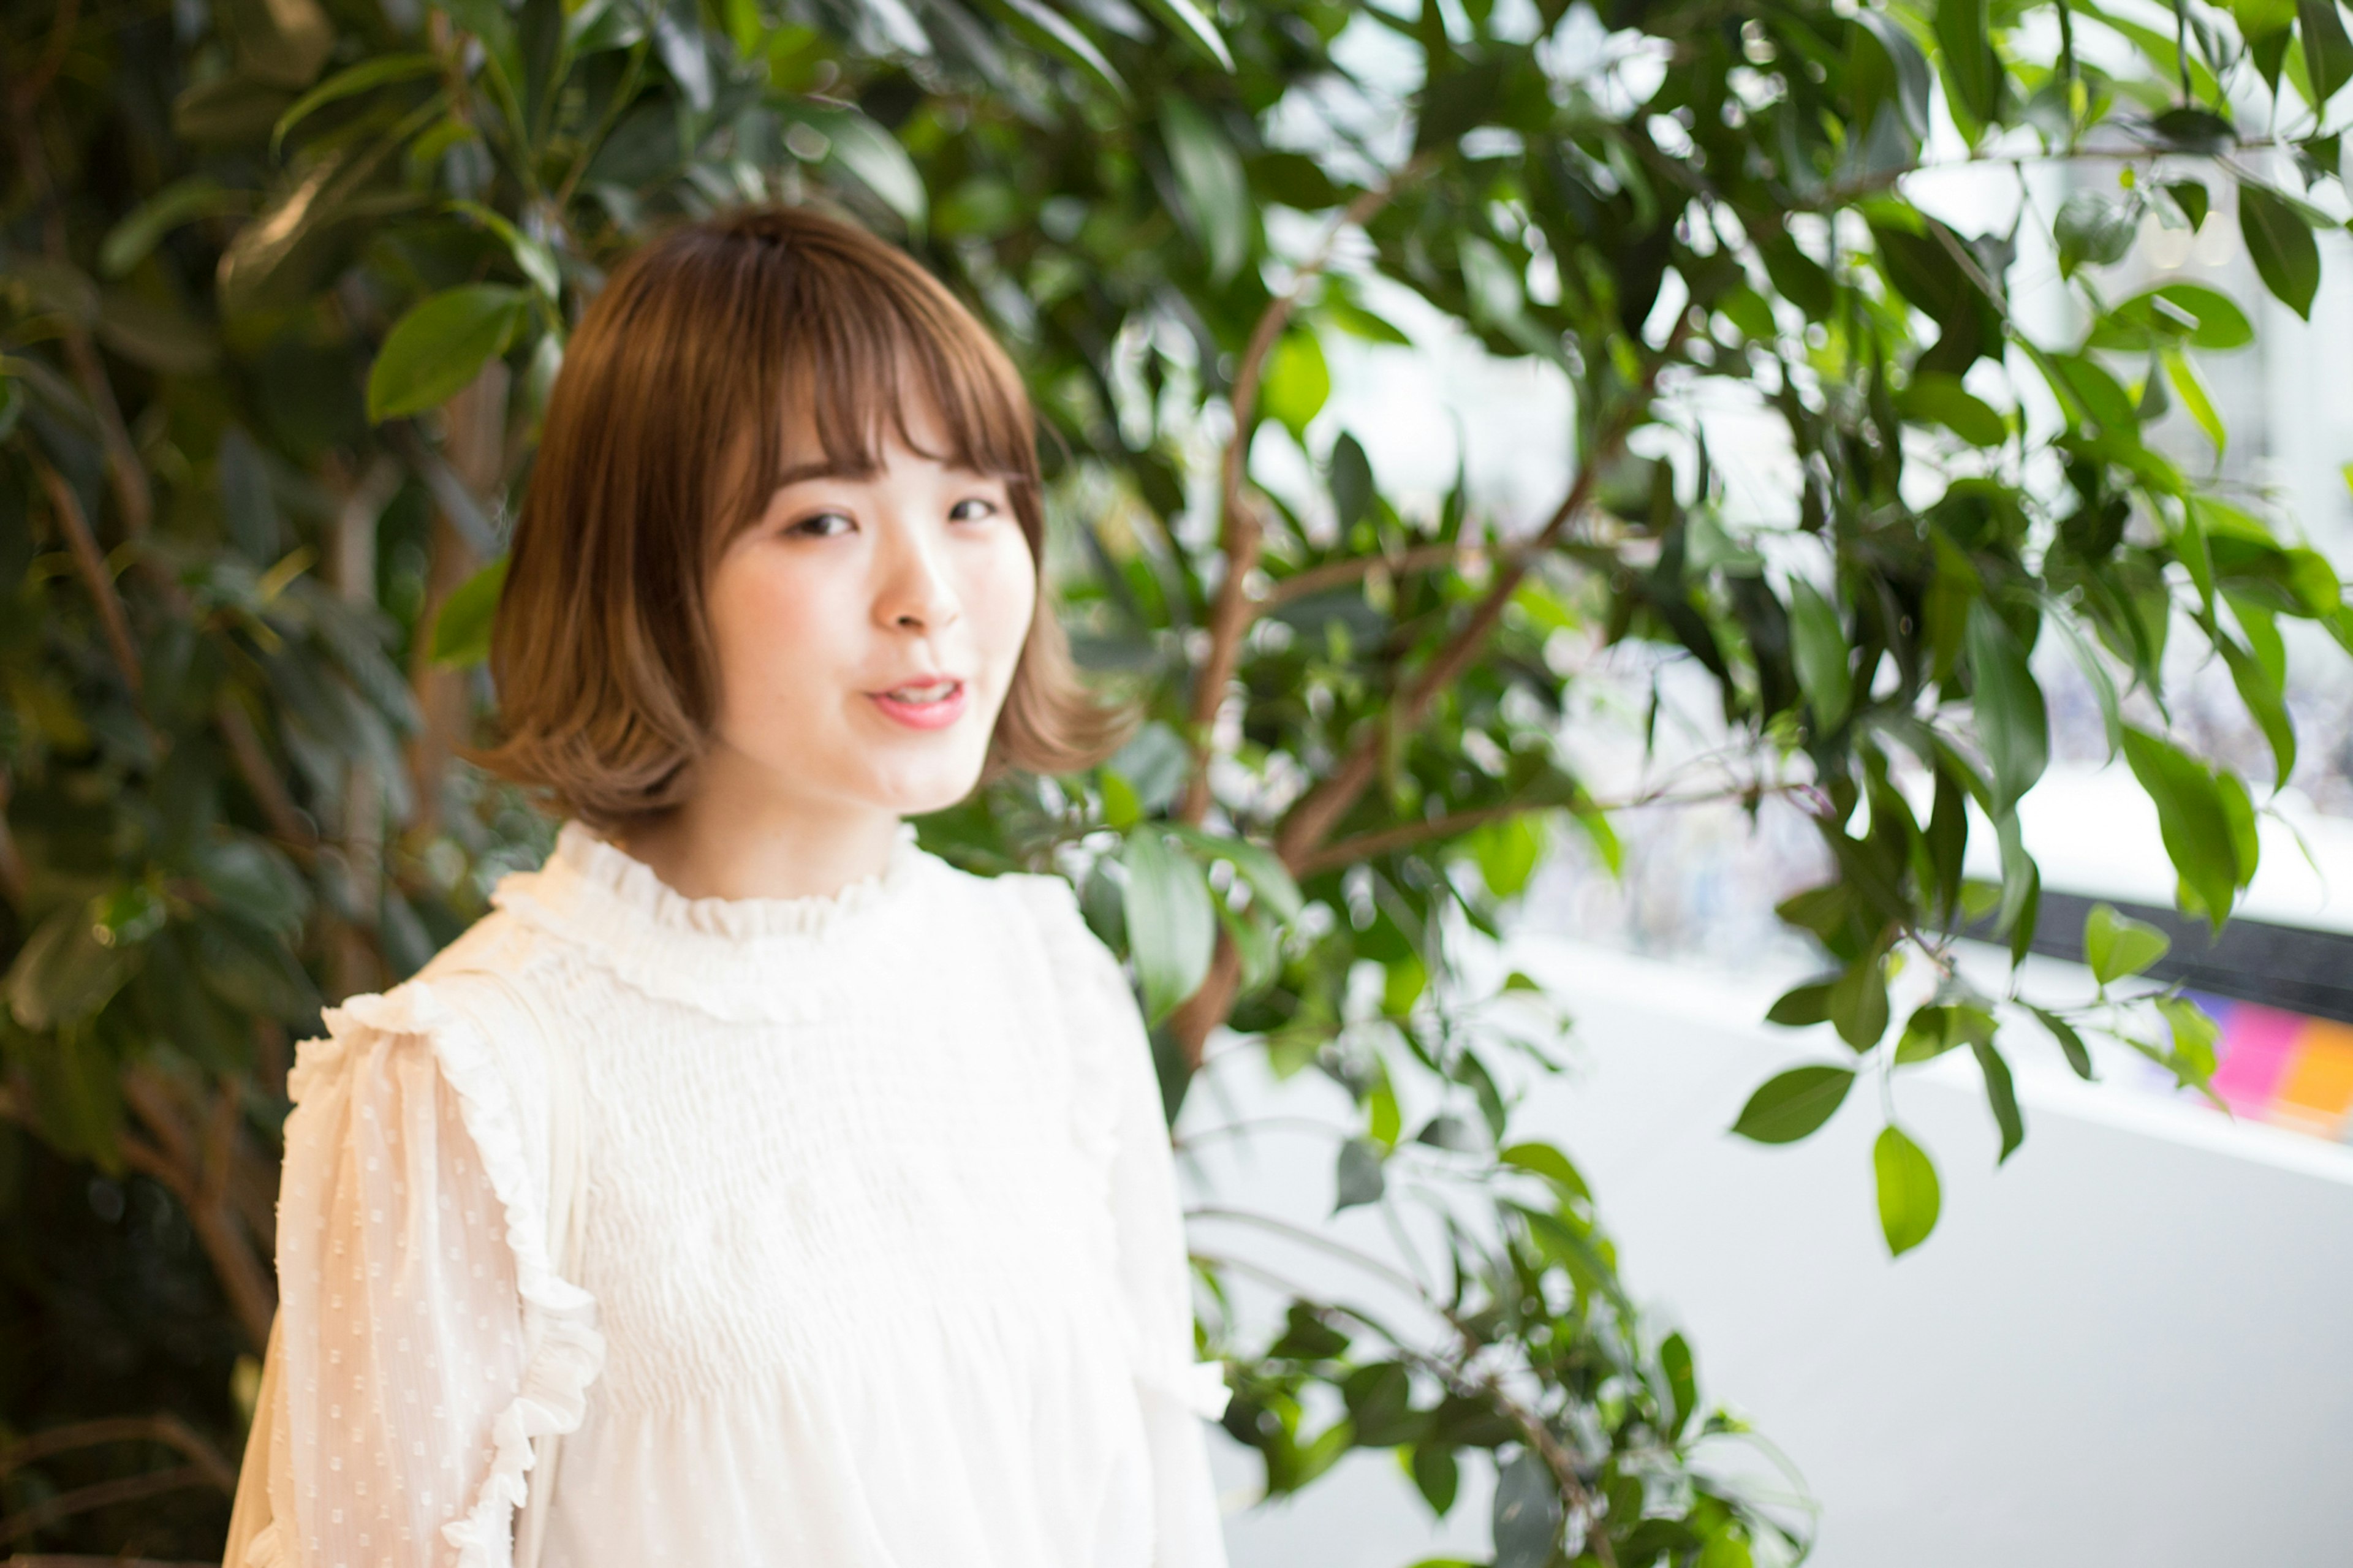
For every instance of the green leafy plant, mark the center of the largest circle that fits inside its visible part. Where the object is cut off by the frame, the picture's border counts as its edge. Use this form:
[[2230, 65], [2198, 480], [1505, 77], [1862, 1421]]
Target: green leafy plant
[[283, 287]]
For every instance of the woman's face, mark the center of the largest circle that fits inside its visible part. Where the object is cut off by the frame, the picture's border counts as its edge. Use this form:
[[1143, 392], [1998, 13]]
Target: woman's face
[[866, 629]]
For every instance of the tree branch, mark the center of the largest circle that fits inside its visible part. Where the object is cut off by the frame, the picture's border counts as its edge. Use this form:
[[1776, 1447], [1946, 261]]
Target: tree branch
[[1241, 533], [178, 1161], [166, 1429], [1310, 821], [105, 1494], [1339, 573], [90, 563]]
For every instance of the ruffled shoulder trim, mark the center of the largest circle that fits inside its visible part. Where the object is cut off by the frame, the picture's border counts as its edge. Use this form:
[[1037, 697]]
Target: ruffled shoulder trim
[[559, 1317]]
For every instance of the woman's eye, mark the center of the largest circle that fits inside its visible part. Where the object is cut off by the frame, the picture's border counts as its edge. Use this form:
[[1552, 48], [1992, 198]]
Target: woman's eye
[[972, 509], [821, 526]]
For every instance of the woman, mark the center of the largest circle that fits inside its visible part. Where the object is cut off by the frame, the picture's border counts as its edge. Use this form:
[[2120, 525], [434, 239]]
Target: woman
[[815, 1192]]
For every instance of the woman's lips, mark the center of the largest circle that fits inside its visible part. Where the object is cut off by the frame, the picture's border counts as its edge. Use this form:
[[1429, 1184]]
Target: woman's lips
[[934, 715]]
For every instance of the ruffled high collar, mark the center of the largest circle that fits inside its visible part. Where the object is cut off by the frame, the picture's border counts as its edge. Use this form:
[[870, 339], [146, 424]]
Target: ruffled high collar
[[734, 957], [608, 872]]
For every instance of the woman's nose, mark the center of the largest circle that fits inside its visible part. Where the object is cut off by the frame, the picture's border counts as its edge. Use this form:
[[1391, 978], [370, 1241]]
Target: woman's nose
[[916, 594]]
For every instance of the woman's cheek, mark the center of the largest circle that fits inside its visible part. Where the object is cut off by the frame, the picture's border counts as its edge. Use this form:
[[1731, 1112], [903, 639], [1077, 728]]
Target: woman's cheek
[[765, 612], [1012, 597]]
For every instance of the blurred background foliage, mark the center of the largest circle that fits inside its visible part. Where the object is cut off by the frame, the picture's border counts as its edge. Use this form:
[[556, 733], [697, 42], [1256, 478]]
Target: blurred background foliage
[[283, 286]]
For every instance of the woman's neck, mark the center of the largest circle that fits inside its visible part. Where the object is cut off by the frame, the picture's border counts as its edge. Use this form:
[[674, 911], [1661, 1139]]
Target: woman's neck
[[729, 840]]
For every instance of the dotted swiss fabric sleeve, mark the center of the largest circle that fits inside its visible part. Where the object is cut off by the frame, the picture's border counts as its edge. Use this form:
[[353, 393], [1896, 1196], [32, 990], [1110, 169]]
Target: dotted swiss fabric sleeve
[[400, 1323]]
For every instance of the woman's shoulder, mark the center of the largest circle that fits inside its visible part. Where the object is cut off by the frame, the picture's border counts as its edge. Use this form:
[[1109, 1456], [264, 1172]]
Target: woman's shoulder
[[469, 1005]]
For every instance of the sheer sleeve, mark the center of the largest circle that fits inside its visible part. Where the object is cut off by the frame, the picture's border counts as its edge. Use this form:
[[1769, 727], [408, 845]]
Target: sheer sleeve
[[1119, 1097], [416, 1365]]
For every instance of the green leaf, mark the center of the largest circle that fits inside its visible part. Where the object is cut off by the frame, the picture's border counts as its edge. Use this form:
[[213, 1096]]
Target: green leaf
[[1544, 1160], [254, 880], [1682, 1383], [1858, 1002], [2188, 313], [2266, 704], [2116, 945], [2194, 198], [1352, 481], [1358, 1178], [2011, 721], [2095, 230], [461, 632], [63, 973], [1971, 68], [435, 350], [1908, 1198], [1193, 24], [2328, 52], [2071, 1043], [2279, 241], [2193, 130], [128, 243], [2083, 382], [2194, 1034], [1211, 181], [2001, 1095], [1508, 849], [2191, 817], [533, 260], [1436, 1475], [1801, 1006], [874, 157], [1046, 28], [1297, 384], [1818, 647], [364, 77], [1171, 922], [2194, 397], [1379, 1400], [1527, 1518], [1792, 1105], [1943, 400]]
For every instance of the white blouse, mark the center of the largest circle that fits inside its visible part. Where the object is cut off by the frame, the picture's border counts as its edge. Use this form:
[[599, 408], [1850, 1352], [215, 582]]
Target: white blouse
[[881, 1261]]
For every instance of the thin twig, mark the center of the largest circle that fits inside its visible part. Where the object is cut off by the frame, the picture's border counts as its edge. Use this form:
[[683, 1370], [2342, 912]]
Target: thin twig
[[1365, 846], [166, 1429], [105, 1494]]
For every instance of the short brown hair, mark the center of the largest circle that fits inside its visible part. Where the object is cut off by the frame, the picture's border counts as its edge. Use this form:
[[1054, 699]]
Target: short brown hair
[[600, 650]]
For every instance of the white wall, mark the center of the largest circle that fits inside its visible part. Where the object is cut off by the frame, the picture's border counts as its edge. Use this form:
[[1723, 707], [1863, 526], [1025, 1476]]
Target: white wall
[[2129, 1347]]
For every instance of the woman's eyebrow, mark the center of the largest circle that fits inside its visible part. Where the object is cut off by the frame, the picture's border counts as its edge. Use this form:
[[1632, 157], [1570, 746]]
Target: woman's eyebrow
[[823, 469]]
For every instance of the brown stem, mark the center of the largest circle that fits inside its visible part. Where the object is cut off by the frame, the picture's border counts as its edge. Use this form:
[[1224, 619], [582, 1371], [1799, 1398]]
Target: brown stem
[[12, 860], [261, 778], [1365, 846], [166, 1429], [1339, 573], [1561, 1463], [473, 425], [1241, 533], [128, 475], [175, 1160], [90, 563], [105, 1494], [1311, 820]]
